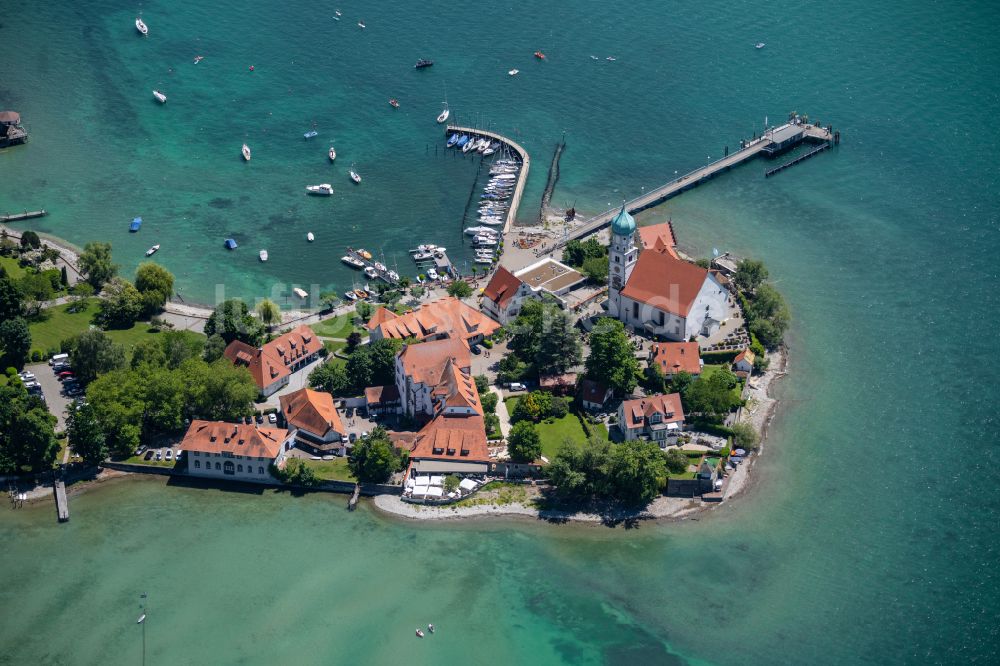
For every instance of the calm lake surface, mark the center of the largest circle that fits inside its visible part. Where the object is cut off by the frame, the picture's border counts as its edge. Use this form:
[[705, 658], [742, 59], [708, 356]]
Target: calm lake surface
[[870, 535]]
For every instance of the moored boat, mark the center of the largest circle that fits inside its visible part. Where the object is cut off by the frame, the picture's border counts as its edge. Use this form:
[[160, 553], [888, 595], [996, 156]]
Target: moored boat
[[246, 152], [365, 254], [423, 63], [443, 116], [452, 140], [310, 134], [393, 102], [136, 223], [332, 154], [470, 144], [462, 140], [310, 237], [263, 255], [160, 97], [539, 55], [151, 251], [141, 26], [323, 189], [759, 45], [432, 274], [350, 295], [231, 244], [353, 262], [355, 177], [301, 293], [513, 72], [371, 273]]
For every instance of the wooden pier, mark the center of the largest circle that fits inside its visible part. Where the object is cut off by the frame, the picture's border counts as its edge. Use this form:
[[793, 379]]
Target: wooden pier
[[772, 142], [26, 215], [62, 504], [522, 176], [801, 158]]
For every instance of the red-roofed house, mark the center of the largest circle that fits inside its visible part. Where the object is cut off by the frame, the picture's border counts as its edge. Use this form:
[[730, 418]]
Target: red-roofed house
[[234, 450], [743, 363], [674, 357], [444, 318], [659, 418], [594, 395], [652, 290], [314, 417], [273, 363], [506, 291], [503, 295], [435, 375], [451, 445]]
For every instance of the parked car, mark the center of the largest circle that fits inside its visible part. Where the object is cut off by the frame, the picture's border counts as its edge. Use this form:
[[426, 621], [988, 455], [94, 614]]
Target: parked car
[[159, 455], [178, 456], [148, 456], [349, 412], [260, 418], [353, 436], [475, 349], [272, 418], [248, 420], [140, 450], [170, 454], [517, 386], [27, 376], [65, 374]]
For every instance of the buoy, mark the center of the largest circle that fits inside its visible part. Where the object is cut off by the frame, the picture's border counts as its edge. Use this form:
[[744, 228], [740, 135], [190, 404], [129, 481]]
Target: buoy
[[251, 68]]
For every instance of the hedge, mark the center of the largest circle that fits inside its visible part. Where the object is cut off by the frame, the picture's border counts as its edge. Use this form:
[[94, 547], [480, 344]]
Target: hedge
[[719, 357]]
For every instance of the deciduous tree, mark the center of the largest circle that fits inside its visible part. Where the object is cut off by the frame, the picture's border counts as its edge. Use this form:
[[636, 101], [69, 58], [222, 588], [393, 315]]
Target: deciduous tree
[[233, 321], [612, 360], [269, 312], [94, 353], [122, 304], [15, 341], [750, 274], [95, 262], [86, 437], [523, 443], [155, 284], [459, 289], [374, 458]]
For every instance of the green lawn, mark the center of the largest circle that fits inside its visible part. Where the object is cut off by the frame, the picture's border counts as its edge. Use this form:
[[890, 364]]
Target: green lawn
[[337, 327], [710, 368], [553, 432], [152, 462], [694, 457], [61, 325], [13, 268], [331, 470]]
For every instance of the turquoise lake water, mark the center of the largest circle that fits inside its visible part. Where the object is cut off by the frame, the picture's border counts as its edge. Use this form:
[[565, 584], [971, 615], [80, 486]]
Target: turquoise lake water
[[870, 535]]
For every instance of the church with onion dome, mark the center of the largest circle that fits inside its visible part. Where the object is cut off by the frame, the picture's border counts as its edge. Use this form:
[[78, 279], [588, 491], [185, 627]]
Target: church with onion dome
[[653, 291]]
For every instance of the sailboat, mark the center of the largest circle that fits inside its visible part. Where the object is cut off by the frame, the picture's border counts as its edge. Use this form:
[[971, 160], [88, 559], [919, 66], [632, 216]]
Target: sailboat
[[354, 176], [140, 26], [443, 116], [246, 152], [332, 154], [160, 97]]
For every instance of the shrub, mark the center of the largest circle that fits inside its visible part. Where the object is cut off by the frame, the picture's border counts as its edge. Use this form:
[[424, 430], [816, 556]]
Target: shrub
[[36, 355], [488, 343]]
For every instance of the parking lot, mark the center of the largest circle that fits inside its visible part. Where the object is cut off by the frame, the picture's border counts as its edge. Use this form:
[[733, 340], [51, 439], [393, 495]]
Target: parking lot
[[52, 390]]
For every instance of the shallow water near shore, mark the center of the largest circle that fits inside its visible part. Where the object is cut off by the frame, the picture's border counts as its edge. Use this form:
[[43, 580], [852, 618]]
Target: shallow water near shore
[[869, 533]]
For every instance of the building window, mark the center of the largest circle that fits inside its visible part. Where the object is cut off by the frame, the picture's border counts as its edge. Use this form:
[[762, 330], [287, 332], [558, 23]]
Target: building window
[[228, 467], [617, 259], [218, 466], [197, 464], [260, 470], [635, 310], [239, 468]]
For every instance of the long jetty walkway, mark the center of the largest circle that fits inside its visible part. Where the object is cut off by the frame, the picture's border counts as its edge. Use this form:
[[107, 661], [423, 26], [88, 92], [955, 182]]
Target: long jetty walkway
[[771, 141], [522, 176], [62, 504], [26, 215]]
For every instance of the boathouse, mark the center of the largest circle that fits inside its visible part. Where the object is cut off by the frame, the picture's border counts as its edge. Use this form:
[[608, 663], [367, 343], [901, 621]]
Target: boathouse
[[11, 131]]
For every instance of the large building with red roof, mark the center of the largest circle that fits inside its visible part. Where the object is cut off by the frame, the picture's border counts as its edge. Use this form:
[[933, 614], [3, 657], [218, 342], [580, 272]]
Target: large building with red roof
[[239, 451], [273, 363], [659, 418], [506, 292], [674, 357], [435, 377], [444, 318], [314, 417], [651, 290]]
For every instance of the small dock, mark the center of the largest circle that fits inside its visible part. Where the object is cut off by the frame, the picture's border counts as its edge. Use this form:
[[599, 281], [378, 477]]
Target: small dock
[[26, 215], [773, 142], [522, 176], [62, 504], [801, 158]]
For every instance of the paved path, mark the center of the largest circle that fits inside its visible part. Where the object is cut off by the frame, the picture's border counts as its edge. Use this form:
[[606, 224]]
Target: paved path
[[502, 412]]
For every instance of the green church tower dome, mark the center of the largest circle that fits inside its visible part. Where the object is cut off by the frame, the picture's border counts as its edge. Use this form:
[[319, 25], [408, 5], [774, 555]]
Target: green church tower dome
[[623, 224]]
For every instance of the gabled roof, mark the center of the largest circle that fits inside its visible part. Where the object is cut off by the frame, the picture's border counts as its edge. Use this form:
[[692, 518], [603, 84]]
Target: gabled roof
[[235, 438], [674, 357], [424, 363], [659, 237], [311, 411], [666, 283], [591, 391], [445, 317], [452, 438], [270, 362], [502, 287], [668, 405], [378, 395], [745, 355], [457, 388], [382, 315]]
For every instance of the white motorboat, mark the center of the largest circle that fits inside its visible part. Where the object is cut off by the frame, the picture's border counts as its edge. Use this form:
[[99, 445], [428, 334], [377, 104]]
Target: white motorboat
[[611, 58], [482, 239], [483, 260], [246, 152], [469, 145], [421, 256], [355, 177], [505, 176], [151, 251], [759, 45], [324, 189], [475, 231], [301, 293], [361, 24], [353, 262], [332, 154], [379, 267], [483, 145], [140, 26], [443, 116], [430, 247], [310, 237], [513, 72], [432, 274], [393, 275], [160, 97], [350, 295], [370, 272], [263, 255]]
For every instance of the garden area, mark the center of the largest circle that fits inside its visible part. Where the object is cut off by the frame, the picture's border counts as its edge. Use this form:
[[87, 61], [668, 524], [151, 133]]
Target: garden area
[[337, 327], [64, 321], [554, 431], [330, 470]]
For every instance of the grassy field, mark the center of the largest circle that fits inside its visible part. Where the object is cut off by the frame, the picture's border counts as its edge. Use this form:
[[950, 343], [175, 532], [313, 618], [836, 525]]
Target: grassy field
[[331, 470], [553, 432], [152, 462], [337, 327], [61, 325], [13, 269]]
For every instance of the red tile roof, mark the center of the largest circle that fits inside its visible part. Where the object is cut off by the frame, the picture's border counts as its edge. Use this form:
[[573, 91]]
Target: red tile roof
[[381, 315], [235, 438], [445, 317], [457, 388], [312, 411], [424, 362], [270, 362], [377, 395], [667, 405], [746, 355], [502, 287], [664, 282], [591, 391], [659, 237], [674, 357], [452, 438]]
